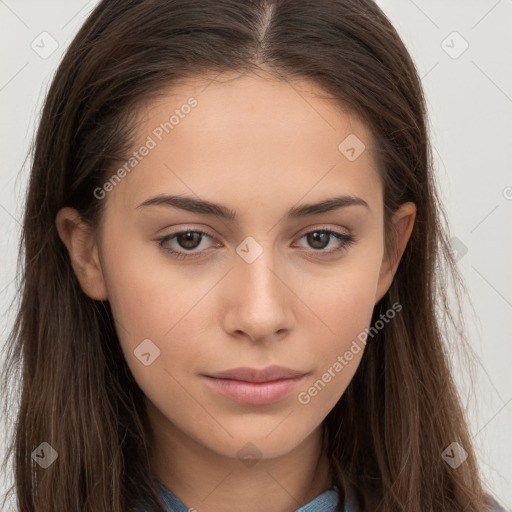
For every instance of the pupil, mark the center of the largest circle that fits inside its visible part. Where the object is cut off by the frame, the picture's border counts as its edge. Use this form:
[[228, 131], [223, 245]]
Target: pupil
[[189, 239], [317, 236]]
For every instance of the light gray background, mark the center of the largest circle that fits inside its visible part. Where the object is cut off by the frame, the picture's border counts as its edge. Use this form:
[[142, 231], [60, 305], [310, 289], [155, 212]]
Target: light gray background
[[470, 103]]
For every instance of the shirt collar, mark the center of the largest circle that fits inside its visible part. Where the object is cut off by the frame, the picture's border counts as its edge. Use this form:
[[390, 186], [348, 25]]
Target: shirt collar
[[324, 502]]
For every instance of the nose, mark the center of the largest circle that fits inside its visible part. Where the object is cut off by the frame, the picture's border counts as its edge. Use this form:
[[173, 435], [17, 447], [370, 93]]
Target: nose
[[259, 301]]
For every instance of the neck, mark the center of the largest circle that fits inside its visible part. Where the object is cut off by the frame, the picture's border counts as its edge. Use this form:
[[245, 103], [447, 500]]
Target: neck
[[210, 482]]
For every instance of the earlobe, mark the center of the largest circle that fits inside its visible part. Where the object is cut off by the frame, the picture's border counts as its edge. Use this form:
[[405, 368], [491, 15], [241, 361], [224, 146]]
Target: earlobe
[[78, 237], [403, 222]]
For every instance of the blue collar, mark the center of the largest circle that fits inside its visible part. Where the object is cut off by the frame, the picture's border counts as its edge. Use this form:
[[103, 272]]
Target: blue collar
[[324, 502]]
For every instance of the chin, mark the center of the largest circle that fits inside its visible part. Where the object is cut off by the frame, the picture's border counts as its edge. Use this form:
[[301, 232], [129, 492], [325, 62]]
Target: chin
[[260, 441]]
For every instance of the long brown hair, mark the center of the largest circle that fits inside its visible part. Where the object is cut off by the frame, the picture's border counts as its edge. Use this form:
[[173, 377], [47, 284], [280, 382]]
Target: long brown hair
[[401, 410]]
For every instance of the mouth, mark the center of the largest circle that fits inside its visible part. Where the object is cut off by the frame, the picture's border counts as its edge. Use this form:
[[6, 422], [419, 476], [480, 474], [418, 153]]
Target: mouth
[[253, 386]]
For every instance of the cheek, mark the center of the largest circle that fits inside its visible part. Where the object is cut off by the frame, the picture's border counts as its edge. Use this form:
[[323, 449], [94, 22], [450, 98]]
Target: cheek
[[344, 297], [342, 305], [154, 301]]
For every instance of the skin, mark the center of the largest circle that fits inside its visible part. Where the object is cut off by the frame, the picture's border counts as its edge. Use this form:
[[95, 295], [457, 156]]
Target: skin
[[260, 147]]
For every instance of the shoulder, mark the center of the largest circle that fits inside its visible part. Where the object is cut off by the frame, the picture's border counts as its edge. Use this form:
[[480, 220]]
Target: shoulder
[[351, 506], [495, 506]]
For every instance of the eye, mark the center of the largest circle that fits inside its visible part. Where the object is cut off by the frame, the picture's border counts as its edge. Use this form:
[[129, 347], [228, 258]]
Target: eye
[[189, 240], [319, 239]]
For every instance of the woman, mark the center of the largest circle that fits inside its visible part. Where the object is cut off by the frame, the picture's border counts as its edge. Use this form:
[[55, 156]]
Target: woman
[[234, 267]]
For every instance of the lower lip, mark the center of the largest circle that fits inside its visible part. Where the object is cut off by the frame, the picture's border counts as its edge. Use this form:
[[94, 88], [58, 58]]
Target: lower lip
[[254, 393]]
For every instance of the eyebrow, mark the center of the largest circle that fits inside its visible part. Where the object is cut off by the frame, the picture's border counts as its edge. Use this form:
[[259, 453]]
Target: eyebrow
[[194, 205]]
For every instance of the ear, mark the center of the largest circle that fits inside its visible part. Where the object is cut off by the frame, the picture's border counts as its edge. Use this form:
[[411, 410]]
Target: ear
[[80, 241], [403, 222]]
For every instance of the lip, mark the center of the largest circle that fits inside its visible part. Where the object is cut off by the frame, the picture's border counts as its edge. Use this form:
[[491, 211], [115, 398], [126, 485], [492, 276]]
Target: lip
[[247, 374], [253, 386]]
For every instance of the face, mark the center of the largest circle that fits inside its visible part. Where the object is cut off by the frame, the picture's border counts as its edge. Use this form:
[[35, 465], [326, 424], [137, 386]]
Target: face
[[268, 282]]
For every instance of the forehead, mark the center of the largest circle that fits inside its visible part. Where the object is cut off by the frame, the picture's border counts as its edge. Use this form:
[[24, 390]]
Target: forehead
[[249, 136]]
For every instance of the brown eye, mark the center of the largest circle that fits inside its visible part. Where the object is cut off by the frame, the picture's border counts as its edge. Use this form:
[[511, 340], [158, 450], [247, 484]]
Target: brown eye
[[184, 242], [188, 239], [320, 239]]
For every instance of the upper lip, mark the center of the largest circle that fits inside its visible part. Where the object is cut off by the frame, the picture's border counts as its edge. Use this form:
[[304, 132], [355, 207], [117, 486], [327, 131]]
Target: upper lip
[[268, 374]]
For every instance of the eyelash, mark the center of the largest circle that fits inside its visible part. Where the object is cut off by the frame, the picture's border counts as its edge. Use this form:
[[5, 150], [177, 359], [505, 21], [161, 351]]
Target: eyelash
[[346, 241]]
